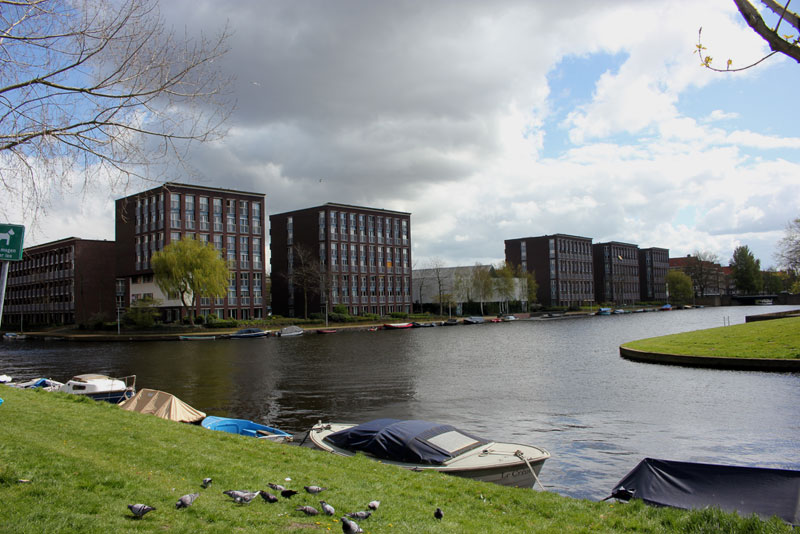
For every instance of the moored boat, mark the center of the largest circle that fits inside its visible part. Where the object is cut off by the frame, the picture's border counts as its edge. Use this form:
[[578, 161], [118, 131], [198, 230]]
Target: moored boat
[[326, 331], [245, 427], [422, 325], [290, 331], [604, 311], [397, 326], [101, 387], [474, 320], [197, 338], [746, 490], [450, 322], [246, 333], [423, 445], [162, 404]]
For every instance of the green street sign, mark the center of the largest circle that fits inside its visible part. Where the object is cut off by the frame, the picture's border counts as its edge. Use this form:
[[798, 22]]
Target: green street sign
[[11, 242]]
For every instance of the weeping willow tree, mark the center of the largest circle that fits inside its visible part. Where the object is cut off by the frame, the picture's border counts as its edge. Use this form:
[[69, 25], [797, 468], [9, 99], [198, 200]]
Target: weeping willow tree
[[188, 269]]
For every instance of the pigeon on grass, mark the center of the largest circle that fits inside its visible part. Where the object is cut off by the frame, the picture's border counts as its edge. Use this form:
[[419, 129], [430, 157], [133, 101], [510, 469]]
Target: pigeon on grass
[[139, 510], [350, 527], [186, 501]]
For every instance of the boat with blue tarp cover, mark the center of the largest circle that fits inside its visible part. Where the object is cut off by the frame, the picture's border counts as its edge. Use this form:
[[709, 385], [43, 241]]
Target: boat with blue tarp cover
[[423, 445], [245, 427]]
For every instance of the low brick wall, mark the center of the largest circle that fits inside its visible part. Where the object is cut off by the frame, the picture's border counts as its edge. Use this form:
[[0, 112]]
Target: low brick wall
[[738, 364]]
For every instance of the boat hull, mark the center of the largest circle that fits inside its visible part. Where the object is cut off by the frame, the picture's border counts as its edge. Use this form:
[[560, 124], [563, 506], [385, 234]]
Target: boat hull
[[101, 387], [497, 462], [244, 427]]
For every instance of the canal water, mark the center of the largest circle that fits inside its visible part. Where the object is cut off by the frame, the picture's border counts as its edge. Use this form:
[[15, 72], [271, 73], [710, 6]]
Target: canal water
[[556, 383]]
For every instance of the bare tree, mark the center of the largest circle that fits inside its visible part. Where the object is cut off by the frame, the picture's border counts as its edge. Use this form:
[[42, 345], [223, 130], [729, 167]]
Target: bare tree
[[784, 43], [703, 268], [99, 89], [305, 273], [437, 267], [789, 247], [481, 283]]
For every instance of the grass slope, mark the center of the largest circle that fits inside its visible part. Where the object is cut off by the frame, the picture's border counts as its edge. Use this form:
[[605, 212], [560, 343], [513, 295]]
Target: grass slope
[[779, 339], [86, 461]]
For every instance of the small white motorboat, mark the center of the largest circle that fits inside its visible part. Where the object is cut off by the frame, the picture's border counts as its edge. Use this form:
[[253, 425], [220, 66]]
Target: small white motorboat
[[101, 387], [290, 331], [423, 445]]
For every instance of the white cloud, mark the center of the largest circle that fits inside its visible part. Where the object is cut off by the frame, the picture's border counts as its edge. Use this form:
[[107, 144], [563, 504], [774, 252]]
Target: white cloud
[[444, 110]]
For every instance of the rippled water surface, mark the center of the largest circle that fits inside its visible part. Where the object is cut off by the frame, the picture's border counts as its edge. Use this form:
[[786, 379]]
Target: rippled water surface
[[558, 383]]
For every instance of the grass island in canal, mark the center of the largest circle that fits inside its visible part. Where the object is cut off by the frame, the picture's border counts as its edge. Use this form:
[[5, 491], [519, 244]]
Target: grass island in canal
[[764, 345], [74, 465]]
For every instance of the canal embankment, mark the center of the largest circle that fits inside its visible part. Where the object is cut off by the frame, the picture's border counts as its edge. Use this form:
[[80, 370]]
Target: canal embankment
[[70, 464]]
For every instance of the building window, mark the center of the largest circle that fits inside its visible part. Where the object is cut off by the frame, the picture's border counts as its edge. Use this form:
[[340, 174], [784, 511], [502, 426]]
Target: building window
[[230, 214], [244, 224]]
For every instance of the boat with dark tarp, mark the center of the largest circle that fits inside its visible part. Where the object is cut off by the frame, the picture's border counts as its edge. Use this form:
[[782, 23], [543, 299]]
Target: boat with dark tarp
[[762, 491], [424, 445]]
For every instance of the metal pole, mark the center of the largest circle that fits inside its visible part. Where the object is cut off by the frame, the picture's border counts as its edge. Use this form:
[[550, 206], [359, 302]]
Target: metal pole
[[3, 279]]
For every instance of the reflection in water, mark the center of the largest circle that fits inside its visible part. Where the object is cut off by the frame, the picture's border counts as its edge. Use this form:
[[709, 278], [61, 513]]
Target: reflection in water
[[559, 384]]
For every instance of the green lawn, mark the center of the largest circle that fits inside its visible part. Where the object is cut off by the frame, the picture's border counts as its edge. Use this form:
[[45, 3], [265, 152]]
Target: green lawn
[[73, 465], [779, 338]]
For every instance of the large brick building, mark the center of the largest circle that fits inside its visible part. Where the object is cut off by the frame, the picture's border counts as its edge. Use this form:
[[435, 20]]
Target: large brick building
[[62, 282], [233, 221], [653, 268], [562, 265], [337, 254], [616, 272]]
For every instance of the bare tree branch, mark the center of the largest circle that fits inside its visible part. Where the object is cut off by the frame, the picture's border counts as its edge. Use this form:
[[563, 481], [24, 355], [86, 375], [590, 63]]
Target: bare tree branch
[[100, 89]]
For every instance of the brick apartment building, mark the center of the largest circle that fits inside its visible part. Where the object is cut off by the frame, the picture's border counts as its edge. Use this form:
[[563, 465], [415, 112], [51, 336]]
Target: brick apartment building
[[62, 282], [616, 272], [337, 254], [562, 265], [708, 278], [653, 268], [233, 221]]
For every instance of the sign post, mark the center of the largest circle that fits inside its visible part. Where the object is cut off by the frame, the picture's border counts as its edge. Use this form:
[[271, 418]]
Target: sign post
[[11, 237]]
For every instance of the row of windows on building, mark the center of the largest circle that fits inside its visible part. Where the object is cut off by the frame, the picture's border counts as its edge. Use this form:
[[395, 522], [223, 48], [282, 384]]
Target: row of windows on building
[[250, 249], [360, 227], [381, 258], [201, 216]]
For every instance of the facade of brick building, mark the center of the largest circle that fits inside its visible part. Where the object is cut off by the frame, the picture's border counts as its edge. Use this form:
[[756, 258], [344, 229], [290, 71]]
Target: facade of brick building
[[562, 266], [62, 282], [337, 254], [653, 268], [616, 272], [233, 221]]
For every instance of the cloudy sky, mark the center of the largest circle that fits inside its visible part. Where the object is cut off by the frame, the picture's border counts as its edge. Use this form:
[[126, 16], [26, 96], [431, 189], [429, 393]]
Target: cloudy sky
[[496, 120]]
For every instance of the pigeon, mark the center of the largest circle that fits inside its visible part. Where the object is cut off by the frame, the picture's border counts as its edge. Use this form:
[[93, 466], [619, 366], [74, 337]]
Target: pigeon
[[268, 497], [314, 489], [360, 515], [242, 497], [308, 510], [206, 482], [276, 487], [287, 493], [327, 508], [350, 527], [140, 509], [438, 514], [373, 505], [186, 501]]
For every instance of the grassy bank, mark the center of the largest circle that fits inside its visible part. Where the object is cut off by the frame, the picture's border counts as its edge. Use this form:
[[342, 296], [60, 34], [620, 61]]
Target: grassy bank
[[778, 339], [73, 465]]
